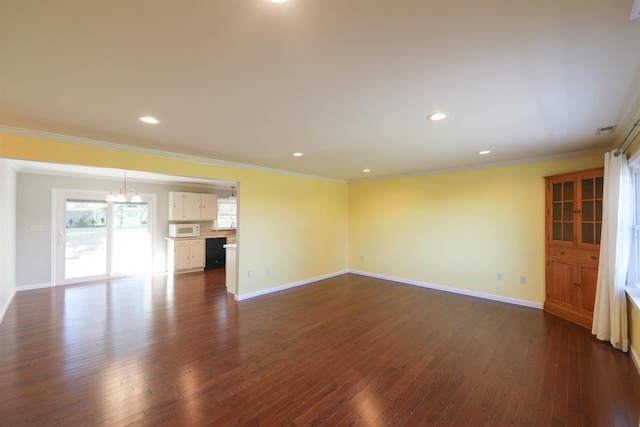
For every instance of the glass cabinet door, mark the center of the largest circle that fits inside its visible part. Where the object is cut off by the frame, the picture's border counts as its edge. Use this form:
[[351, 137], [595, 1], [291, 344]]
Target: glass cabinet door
[[576, 209], [563, 196], [591, 207]]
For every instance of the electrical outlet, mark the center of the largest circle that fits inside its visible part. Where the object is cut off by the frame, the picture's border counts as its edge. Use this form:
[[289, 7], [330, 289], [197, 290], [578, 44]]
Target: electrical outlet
[[269, 271], [250, 274], [361, 257], [523, 280], [499, 276]]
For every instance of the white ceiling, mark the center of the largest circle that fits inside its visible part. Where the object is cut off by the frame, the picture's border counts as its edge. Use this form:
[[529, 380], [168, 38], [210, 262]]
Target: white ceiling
[[346, 82]]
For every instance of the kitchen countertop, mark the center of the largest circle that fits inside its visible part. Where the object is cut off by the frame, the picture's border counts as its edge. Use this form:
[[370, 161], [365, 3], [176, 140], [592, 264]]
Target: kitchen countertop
[[231, 238]]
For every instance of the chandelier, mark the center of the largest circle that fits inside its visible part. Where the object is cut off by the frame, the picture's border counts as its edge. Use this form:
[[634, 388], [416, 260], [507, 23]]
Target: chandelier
[[124, 195]]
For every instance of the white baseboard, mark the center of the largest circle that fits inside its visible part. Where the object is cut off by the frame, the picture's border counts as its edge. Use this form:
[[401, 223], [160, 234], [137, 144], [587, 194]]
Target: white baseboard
[[32, 287], [243, 297], [6, 307], [18, 289], [483, 295], [466, 292], [635, 357]]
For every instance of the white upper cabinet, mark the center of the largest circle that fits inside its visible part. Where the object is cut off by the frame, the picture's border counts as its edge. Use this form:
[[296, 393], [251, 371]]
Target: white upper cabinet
[[176, 206], [209, 207], [192, 206]]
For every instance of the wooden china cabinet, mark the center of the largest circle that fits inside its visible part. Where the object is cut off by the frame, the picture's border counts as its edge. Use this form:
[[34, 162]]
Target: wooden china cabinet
[[573, 228]]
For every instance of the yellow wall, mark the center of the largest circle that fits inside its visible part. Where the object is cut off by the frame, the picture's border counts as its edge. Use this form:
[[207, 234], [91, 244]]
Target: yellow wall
[[458, 230], [294, 226], [634, 328]]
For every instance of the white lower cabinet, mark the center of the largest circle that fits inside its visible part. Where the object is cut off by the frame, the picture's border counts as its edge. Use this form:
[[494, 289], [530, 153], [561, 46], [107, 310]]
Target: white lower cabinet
[[185, 254]]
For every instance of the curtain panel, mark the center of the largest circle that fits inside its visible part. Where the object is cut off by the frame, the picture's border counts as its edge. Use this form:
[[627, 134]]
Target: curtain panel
[[610, 310]]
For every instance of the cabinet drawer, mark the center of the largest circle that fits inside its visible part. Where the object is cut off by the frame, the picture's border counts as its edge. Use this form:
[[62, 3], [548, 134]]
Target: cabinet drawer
[[197, 242], [582, 255], [180, 243]]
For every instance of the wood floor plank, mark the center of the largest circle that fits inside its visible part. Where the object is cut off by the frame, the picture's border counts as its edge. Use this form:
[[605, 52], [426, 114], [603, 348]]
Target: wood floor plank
[[346, 351]]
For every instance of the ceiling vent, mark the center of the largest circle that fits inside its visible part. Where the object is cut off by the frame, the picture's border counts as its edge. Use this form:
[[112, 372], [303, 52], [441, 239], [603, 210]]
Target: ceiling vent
[[605, 130]]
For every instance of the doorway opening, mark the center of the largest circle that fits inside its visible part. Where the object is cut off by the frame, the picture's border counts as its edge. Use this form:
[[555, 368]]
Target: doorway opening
[[97, 239]]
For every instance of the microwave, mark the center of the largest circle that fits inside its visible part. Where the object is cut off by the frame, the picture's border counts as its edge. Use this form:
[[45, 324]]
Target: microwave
[[184, 230]]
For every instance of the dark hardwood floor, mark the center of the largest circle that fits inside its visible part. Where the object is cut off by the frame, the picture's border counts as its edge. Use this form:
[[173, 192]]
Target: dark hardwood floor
[[350, 350]]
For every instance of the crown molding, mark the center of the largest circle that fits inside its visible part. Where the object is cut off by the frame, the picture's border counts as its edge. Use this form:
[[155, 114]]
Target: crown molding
[[488, 165], [30, 133], [49, 136]]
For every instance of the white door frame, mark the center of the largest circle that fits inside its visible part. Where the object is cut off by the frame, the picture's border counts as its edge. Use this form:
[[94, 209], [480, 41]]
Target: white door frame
[[58, 231]]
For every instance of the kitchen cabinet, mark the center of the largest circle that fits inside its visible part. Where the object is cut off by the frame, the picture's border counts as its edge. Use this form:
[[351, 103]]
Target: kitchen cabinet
[[185, 254], [185, 206], [573, 226], [208, 207]]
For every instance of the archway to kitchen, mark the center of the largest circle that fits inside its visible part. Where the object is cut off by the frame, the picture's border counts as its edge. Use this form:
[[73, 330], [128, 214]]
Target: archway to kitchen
[[36, 188]]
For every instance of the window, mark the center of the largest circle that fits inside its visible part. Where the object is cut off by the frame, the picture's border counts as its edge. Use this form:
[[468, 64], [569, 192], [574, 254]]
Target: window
[[633, 275], [227, 213]]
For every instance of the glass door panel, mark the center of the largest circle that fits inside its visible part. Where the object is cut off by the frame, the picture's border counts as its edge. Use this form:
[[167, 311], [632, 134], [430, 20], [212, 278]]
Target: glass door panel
[[131, 253], [85, 249], [563, 211], [591, 223]]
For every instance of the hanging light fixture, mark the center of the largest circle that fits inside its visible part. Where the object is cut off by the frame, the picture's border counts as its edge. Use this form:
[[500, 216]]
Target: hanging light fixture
[[123, 195], [233, 193]]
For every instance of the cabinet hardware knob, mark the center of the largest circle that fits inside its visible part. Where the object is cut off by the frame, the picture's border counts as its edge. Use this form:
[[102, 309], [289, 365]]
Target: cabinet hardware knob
[[594, 257], [561, 253]]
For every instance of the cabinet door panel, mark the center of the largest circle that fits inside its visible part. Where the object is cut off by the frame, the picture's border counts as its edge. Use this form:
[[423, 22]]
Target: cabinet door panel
[[562, 275], [588, 279], [191, 209], [562, 210], [176, 203], [209, 210], [182, 258], [197, 253], [591, 210]]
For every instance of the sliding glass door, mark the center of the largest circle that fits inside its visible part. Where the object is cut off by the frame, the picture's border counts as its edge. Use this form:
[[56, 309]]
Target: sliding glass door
[[98, 239], [131, 239], [85, 238]]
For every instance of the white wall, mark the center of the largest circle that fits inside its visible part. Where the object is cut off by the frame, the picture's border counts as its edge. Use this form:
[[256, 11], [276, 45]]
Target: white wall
[[7, 235]]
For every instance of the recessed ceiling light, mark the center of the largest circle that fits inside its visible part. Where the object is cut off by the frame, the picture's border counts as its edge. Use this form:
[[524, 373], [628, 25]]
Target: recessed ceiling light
[[437, 116], [484, 152], [149, 120], [366, 170], [297, 154], [277, 1]]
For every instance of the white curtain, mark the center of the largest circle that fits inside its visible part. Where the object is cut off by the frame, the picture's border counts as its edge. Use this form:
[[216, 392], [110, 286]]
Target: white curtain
[[610, 311]]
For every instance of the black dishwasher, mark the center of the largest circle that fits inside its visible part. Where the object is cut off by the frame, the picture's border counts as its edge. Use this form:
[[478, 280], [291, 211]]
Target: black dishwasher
[[215, 253]]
